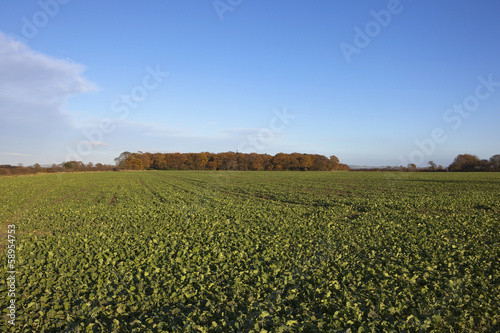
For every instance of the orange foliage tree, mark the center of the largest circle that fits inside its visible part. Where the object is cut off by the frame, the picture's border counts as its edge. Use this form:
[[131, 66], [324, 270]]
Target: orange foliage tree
[[228, 161]]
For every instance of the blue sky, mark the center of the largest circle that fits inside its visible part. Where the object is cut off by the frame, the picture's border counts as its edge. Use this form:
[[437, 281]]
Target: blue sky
[[373, 82]]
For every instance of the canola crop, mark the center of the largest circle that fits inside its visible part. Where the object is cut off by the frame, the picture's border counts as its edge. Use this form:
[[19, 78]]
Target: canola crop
[[201, 251]]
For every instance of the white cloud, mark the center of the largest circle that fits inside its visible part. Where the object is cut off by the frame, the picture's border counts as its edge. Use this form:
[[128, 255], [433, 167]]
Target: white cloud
[[34, 88], [27, 76]]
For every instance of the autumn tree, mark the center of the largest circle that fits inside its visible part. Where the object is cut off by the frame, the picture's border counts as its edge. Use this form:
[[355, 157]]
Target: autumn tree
[[176, 161], [243, 161], [267, 162], [495, 162], [465, 162], [228, 161], [256, 162], [279, 161], [213, 161], [320, 163], [120, 160], [305, 162], [335, 162], [484, 165], [133, 163], [73, 165], [200, 161], [158, 161], [146, 160], [412, 167], [343, 167]]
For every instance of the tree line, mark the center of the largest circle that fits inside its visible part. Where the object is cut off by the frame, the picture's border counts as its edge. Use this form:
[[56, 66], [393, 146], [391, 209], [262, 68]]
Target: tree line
[[70, 166], [468, 162], [228, 161], [243, 162], [461, 163]]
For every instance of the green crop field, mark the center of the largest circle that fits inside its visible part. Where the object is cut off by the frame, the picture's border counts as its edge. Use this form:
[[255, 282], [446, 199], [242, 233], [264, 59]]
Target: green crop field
[[188, 251]]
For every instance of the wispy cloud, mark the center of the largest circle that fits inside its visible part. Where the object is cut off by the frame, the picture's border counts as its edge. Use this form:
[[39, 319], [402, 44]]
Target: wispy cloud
[[239, 132], [98, 143], [15, 154], [148, 129], [339, 139]]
